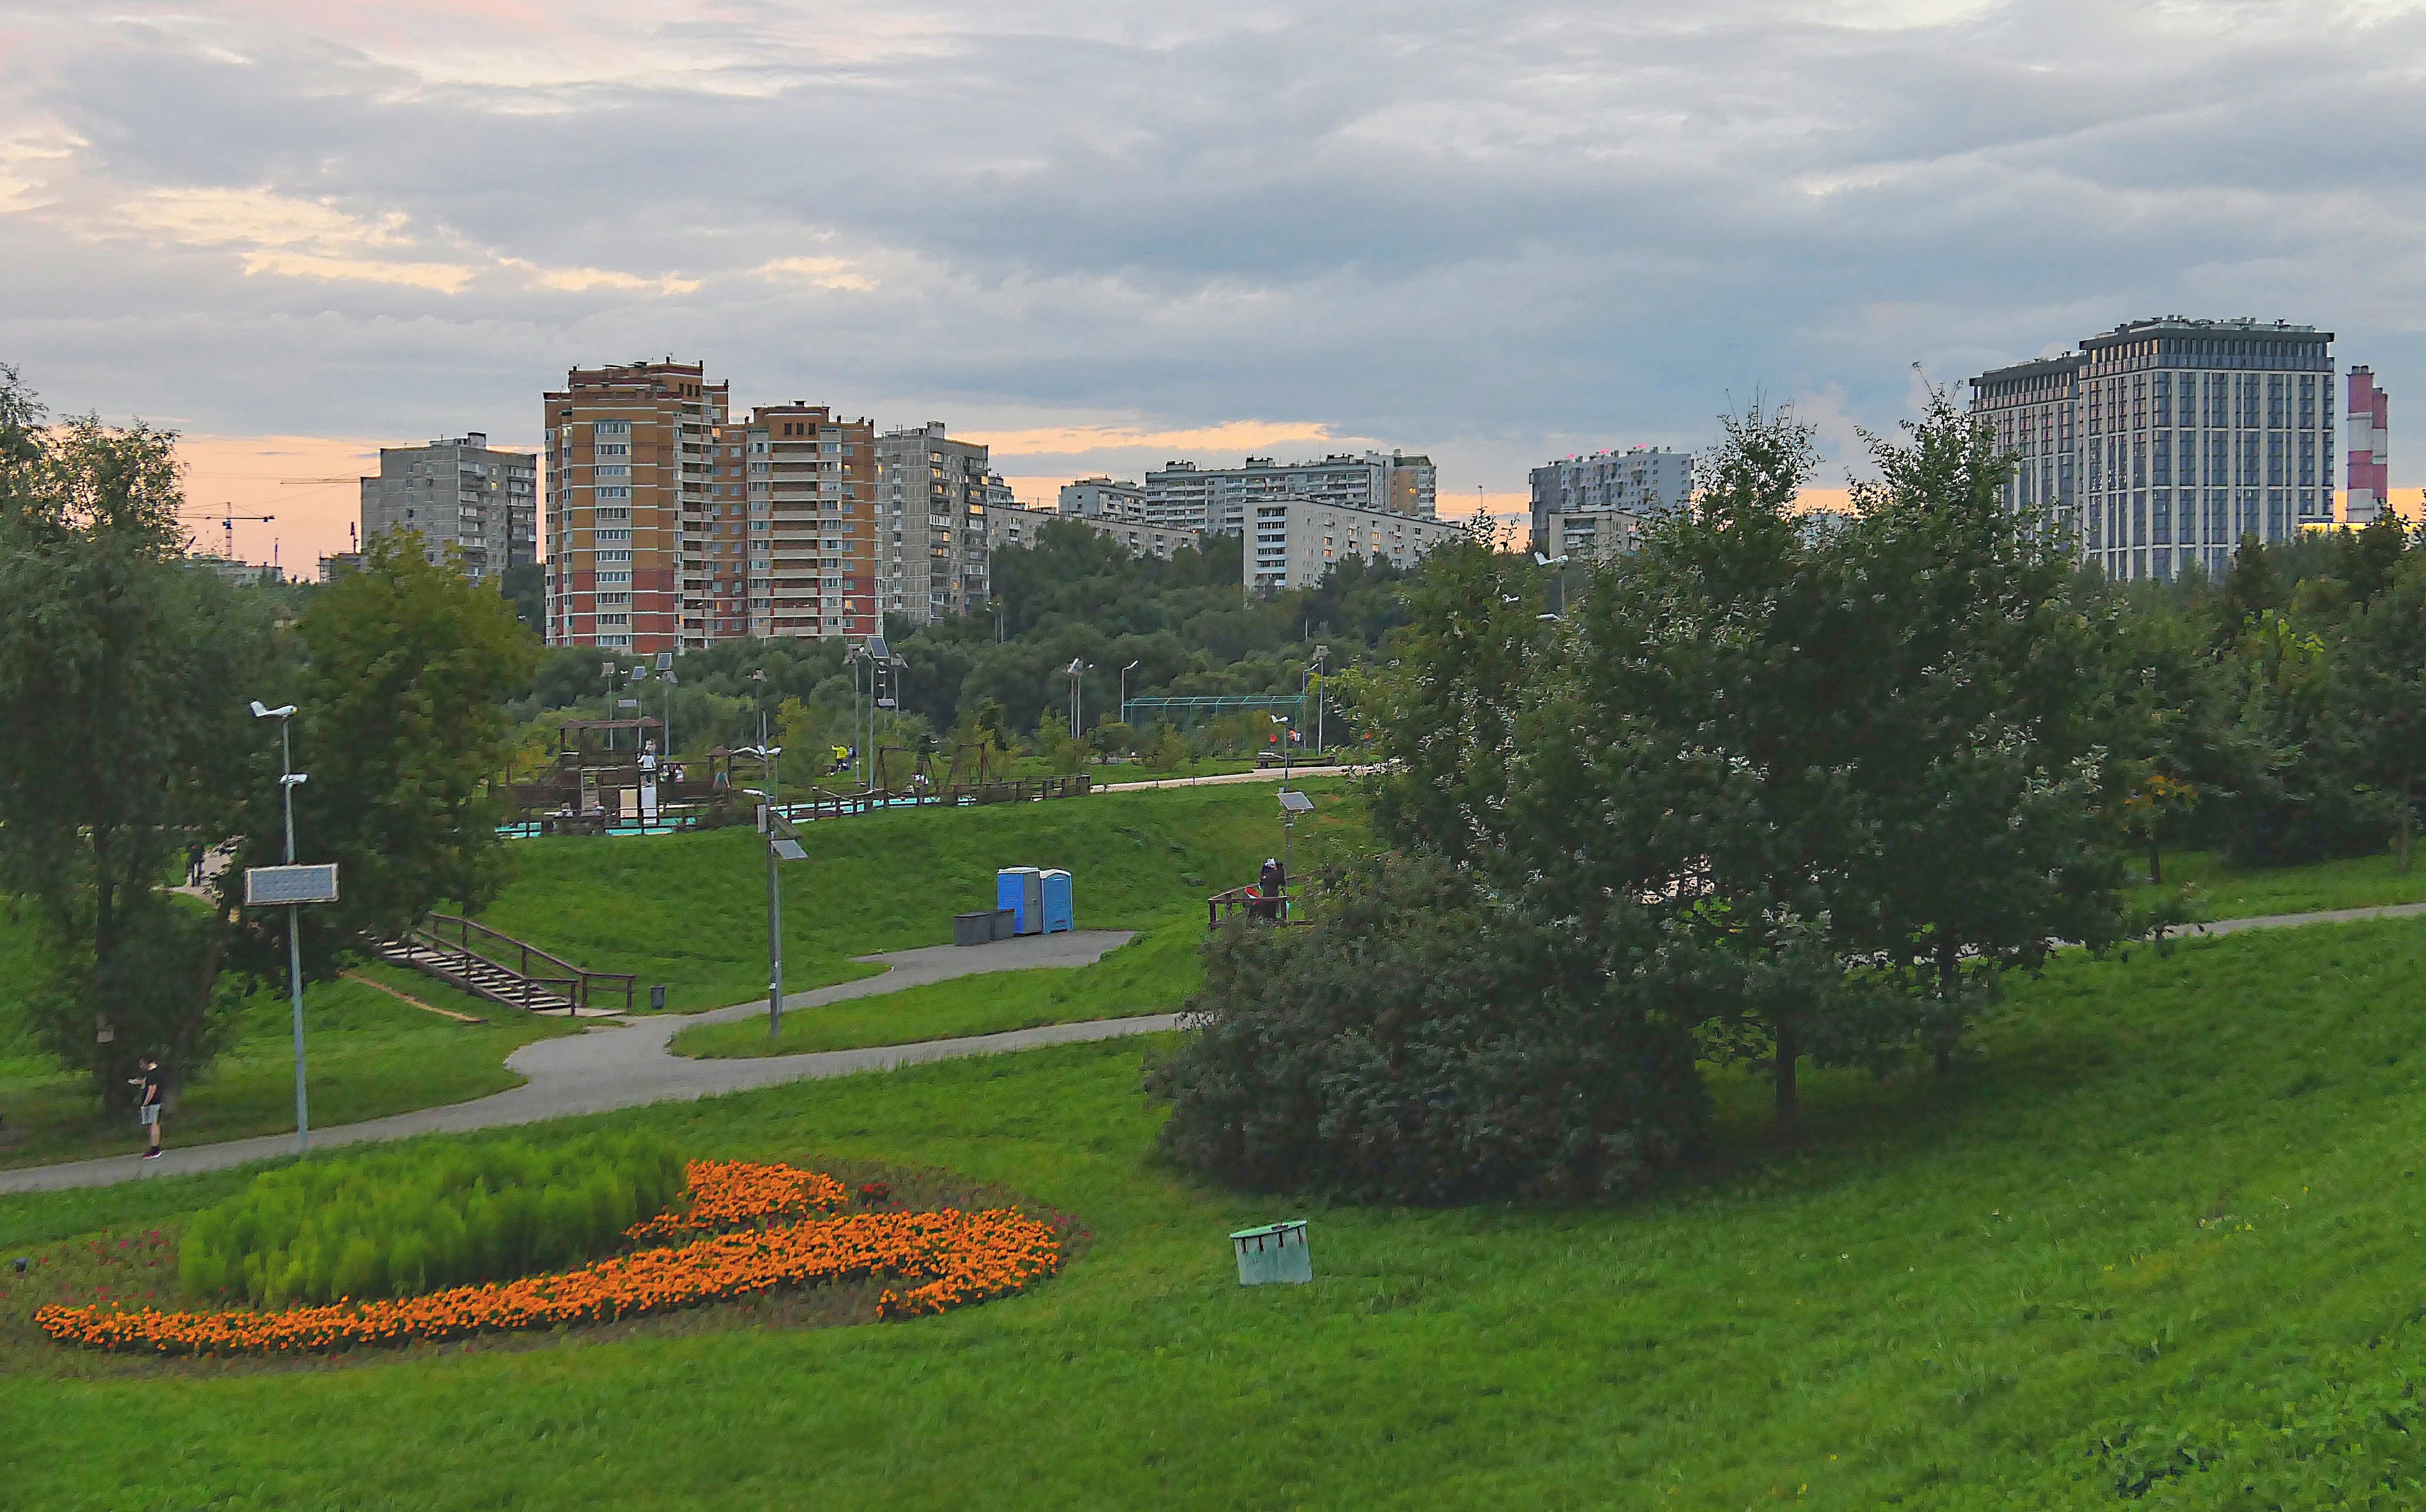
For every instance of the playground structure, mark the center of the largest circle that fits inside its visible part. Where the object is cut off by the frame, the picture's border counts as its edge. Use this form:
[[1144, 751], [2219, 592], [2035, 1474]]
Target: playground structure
[[608, 778]]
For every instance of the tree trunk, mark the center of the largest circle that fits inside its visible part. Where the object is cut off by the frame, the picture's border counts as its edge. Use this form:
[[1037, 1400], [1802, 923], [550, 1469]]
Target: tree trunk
[[1948, 979], [2409, 817], [1789, 1105]]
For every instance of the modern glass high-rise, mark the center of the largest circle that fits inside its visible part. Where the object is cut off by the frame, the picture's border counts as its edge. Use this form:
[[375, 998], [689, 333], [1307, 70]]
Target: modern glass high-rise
[[2162, 444]]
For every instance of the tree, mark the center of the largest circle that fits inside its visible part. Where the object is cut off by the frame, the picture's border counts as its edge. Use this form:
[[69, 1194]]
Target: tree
[[123, 671], [525, 589], [400, 725], [2387, 680], [1420, 1042]]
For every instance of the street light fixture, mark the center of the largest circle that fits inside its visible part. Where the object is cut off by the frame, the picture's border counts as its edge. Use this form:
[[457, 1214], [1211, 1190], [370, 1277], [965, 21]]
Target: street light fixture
[[1559, 562], [779, 848], [288, 780], [1124, 691], [1078, 668]]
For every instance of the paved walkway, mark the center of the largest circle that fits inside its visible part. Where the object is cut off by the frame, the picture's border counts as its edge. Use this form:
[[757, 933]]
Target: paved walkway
[[1267, 774], [626, 1067]]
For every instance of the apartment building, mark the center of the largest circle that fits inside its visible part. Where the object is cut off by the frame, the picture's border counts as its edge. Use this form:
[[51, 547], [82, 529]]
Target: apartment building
[[629, 477], [2162, 442], [788, 544], [932, 495], [1298, 541], [1009, 526], [1586, 535], [1100, 498], [2370, 449], [1181, 495], [1631, 486], [459, 493]]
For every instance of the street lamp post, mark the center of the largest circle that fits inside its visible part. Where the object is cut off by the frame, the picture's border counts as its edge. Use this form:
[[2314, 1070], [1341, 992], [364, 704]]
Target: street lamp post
[[1321, 655], [287, 779], [1124, 691], [1559, 562], [768, 756], [1287, 734]]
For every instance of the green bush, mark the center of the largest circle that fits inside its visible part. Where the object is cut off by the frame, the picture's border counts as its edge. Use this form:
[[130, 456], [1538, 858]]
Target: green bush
[[398, 1223], [1419, 1043]]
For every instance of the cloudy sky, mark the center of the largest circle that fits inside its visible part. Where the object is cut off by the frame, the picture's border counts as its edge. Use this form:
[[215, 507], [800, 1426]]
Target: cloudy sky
[[1099, 236]]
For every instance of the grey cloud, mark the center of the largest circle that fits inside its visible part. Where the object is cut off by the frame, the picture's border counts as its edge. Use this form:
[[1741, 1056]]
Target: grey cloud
[[1495, 233]]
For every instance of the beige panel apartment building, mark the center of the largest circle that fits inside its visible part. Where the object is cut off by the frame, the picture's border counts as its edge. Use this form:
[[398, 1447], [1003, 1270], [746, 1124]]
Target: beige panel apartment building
[[1295, 542], [788, 544], [628, 473]]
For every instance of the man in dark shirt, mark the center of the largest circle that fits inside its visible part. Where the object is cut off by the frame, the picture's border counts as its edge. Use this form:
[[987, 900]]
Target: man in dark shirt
[[147, 1108]]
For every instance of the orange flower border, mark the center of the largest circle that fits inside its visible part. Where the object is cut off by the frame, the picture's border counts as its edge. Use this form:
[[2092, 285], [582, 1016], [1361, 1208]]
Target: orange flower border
[[953, 1258], [725, 1195]]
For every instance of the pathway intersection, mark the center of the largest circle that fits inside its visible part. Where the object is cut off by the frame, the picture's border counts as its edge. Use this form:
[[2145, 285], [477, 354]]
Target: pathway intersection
[[628, 1066]]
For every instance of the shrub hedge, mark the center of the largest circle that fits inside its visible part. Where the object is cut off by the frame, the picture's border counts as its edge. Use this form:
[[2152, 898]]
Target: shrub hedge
[[1419, 1042], [403, 1223]]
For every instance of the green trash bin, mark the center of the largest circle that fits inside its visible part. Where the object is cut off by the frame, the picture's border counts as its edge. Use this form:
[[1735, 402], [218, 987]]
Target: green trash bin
[[1275, 1252]]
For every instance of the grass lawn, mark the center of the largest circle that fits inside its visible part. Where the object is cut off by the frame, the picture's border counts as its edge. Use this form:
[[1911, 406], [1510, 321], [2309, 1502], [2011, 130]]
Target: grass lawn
[[1151, 973], [690, 910], [2232, 893], [366, 1055], [2180, 1191]]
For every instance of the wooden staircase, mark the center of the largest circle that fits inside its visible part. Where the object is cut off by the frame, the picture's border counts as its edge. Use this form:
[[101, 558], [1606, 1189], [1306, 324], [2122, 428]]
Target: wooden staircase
[[514, 972]]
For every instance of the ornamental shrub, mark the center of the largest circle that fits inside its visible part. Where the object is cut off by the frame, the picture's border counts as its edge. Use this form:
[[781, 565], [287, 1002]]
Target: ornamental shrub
[[405, 1223], [1417, 1042]]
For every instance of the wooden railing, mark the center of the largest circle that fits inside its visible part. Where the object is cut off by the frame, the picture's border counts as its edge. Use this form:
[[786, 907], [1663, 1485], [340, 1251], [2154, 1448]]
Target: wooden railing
[[577, 985]]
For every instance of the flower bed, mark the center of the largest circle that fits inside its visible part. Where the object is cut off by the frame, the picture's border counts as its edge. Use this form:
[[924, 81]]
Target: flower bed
[[946, 1259], [725, 1195]]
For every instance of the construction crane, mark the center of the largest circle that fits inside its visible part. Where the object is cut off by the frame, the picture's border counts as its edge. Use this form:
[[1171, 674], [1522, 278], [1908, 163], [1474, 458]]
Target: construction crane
[[227, 520]]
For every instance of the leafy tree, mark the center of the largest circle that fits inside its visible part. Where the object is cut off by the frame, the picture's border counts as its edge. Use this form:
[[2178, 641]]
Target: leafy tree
[[525, 589], [2387, 680], [122, 668], [1420, 1043], [401, 727]]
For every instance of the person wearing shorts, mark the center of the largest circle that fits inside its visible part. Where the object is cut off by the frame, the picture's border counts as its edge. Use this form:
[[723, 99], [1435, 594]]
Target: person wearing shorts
[[147, 1108]]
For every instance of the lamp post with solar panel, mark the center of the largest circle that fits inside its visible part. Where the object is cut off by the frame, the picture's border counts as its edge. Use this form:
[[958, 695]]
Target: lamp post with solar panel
[[783, 845], [292, 886]]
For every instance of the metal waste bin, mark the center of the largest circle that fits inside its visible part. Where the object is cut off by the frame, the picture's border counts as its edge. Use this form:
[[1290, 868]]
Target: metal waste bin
[[1275, 1252], [1021, 889], [1006, 922], [1058, 916], [657, 998], [972, 929]]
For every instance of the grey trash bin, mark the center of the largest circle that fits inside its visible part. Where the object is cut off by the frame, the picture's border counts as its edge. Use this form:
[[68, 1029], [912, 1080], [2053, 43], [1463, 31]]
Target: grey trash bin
[[1275, 1252], [974, 928], [1006, 922]]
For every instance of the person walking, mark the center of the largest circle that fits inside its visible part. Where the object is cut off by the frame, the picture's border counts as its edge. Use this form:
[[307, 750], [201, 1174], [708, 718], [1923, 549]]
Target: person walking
[[194, 864], [147, 1107]]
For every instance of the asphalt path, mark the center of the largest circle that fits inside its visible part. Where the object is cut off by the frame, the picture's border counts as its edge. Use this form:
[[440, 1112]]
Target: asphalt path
[[627, 1065]]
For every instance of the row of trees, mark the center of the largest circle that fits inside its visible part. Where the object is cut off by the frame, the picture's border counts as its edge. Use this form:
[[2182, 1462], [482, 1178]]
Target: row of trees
[[1767, 793], [1072, 596], [127, 674]]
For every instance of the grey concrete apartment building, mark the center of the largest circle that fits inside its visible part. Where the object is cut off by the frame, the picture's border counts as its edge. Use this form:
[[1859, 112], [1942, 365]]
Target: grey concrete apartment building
[[1009, 526], [2160, 443], [1595, 505], [930, 500], [1181, 495], [1296, 541], [458, 491], [1102, 498]]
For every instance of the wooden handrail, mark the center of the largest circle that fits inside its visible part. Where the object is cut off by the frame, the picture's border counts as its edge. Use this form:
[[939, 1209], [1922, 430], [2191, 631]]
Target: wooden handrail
[[578, 983]]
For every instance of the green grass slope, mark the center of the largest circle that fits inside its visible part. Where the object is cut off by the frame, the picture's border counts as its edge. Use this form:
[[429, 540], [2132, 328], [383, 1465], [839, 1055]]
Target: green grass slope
[[691, 911], [2227, 892], [2181, 1193], [366, 1055], [1152, 974]]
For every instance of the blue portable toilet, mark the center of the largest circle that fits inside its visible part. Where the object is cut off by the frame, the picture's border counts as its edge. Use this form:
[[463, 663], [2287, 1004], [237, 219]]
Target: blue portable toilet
[[1057, 914], [1021, 889]]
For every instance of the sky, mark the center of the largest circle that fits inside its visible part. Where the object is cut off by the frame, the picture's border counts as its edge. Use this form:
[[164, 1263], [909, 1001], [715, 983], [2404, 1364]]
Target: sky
[[1098, 237]]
